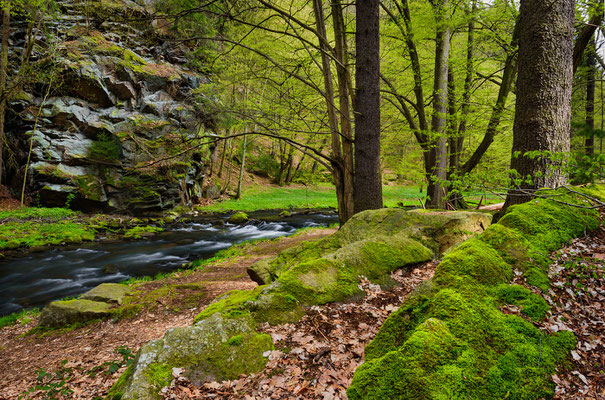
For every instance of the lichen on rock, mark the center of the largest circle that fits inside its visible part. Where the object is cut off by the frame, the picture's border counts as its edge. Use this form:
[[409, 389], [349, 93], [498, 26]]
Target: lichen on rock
[[206, 350]]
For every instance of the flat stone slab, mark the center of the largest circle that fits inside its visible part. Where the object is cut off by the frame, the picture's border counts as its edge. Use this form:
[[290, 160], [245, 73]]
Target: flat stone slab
[[107, 293], [61, 313]]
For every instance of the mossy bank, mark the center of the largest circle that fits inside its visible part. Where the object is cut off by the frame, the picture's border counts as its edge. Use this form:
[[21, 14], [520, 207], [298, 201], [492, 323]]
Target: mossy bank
[[450, 340]]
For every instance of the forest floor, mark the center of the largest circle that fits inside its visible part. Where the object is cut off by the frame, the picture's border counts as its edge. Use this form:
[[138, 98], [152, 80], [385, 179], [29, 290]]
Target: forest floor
[[314, 358]]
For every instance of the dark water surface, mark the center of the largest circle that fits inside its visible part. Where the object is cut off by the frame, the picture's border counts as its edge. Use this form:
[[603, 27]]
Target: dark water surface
[[38, 278]]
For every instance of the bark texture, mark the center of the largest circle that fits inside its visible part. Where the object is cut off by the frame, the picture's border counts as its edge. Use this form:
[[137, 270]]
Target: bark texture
[[368, 183], [543, 108]]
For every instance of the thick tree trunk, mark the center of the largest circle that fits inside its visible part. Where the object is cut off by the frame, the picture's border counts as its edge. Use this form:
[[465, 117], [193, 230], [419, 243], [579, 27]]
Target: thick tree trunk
[[590, 89], [3, 78], [438, 152], [368, 182], [543, 108]]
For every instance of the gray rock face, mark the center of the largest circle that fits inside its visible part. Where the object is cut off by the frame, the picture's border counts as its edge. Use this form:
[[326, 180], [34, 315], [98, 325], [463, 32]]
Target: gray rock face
[[118, 103], [216, 348]]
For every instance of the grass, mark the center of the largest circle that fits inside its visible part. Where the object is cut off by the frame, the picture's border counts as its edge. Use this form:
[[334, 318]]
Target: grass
[[324, 196], [22, 317], [37, 213]]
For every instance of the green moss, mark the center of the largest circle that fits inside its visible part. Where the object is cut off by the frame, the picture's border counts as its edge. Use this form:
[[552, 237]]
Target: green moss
[[537, 277], [159, 374], [547, 225], [105, 148], [117, 389], [319, 281], [376, 259], [485, 353], [238, 218], [531, 304], [235, 340], [232, 304], [32, 234], [473, 259], [498, 354], [514, 247], [139, 232], [89, 187]]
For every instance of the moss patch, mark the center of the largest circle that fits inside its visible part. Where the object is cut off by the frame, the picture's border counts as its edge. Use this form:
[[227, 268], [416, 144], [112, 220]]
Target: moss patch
[[27, 228]]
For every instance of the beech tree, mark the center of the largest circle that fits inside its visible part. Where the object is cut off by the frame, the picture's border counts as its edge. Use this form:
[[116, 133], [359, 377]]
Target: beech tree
[[543, 107]]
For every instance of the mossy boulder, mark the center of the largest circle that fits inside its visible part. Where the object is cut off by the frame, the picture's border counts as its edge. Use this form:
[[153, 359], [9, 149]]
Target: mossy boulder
[[107, 293], [238, 218], [264, 304], [61, 313], [401, 238], [217, 348], [484, 353]]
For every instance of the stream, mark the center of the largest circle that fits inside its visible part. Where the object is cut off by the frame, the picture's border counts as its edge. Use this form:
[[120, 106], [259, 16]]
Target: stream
[[36, 279]]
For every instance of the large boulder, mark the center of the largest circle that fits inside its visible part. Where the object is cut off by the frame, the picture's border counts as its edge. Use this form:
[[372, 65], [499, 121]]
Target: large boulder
[[61, 313], [377, 241], [217, 348]]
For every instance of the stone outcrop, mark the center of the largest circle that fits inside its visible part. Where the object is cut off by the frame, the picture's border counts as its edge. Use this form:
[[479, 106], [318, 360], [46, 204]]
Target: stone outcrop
[[216, 348], [120, 99]]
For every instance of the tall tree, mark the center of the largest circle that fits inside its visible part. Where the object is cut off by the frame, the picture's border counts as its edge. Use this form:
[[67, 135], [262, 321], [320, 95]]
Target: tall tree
[[438, 152], [591, 64], [543, 108], [368, 183]]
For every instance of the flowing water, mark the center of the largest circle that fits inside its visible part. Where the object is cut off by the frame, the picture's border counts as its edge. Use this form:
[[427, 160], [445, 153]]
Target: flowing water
[[38, 278]]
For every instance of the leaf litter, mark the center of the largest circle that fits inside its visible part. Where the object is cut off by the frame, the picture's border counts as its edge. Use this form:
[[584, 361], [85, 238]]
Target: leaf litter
[[316, 357]]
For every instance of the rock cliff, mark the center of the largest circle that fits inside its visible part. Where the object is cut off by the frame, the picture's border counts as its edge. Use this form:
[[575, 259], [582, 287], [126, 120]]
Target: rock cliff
[[111, 107]]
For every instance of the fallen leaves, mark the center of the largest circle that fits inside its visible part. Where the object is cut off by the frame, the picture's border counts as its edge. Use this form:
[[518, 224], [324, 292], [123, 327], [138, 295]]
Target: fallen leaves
[[577, 302], [316, 357]]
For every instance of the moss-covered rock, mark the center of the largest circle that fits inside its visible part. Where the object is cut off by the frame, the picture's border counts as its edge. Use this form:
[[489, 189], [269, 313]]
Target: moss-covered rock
[[61, 313], [238, 218], [485, 353], [392, 238], [107, 293], [216, 348]]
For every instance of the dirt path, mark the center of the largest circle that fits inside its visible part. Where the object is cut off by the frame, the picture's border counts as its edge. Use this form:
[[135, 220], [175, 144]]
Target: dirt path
[[94, 345]]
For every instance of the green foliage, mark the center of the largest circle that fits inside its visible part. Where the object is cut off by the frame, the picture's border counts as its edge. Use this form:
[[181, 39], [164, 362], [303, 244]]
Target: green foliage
[[110, 367], [50, 384], [139, 232], [23, 317]]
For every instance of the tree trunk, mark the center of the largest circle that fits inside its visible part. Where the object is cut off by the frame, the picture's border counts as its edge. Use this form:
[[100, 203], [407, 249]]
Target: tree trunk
[[345, 206], [543, 108], [368, 182], [238, 195], [3, 78], [438, 152], [590, 89]]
